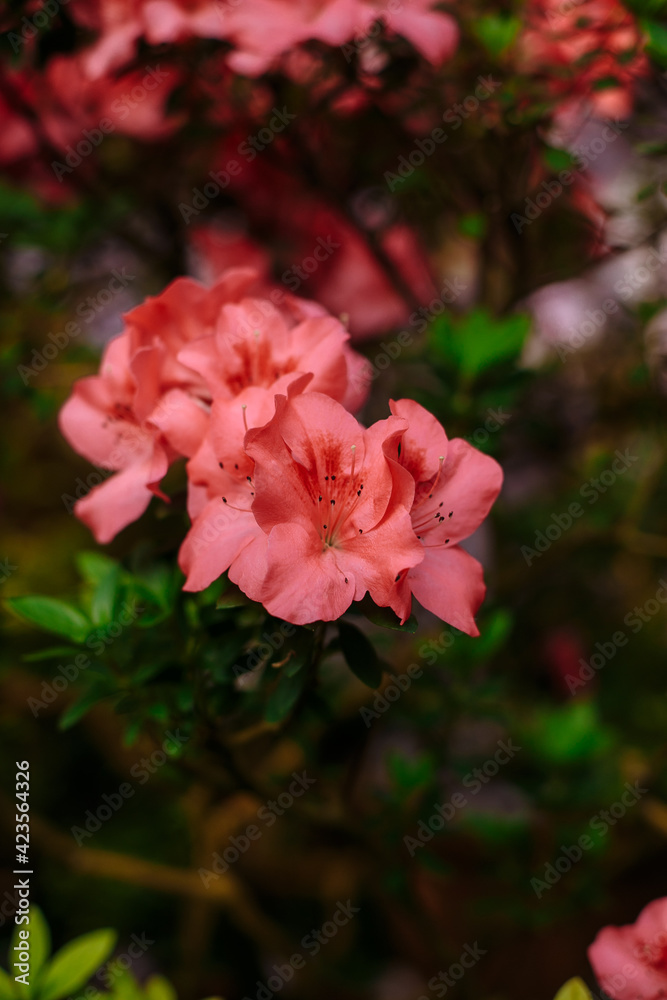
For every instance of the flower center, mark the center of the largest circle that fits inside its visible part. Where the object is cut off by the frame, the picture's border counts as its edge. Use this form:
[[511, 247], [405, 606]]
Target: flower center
[[339, 492]]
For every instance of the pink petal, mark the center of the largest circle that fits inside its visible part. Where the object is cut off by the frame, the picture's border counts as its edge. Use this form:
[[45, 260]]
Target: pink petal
[[213, 543], [469, 484], [304, 583], [119, 501], [182, 420], [450, 584]]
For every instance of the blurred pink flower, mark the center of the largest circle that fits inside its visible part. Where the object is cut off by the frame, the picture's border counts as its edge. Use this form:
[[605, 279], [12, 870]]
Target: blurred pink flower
[[630, 962], [589, 53], [261, 31]]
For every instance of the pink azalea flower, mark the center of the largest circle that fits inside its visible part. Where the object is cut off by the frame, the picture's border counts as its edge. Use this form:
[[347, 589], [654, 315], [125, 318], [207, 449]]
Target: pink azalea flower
[[630, 962], [256, 344], [225, 534], [455, 487], [102, 422], [330, 513]]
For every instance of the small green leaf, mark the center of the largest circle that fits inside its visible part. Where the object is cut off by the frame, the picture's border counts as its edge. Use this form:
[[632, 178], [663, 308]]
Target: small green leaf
[[479, 341], [76, 711], [159, 988], [52, 653], [496, 32], [73, 965], [284, 696], [53, 615], [574, 989], [6, 986], [473, 225], [360, 654], [657, 44], [103, 602], [94, 566]]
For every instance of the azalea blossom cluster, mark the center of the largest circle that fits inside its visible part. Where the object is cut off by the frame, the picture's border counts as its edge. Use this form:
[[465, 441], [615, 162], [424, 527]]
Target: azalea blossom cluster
[[304, 508]]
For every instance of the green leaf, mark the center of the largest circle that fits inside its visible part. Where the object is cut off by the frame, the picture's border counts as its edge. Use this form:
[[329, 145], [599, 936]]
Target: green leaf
[[80, 707], [125, 987], [410, 774], [473, 225], [574, 989], [53, 615], [103, 603], [569, 732], [360, 654], [479, 341], [73, 965], [496, 32], [557, 159], [6, 986], [284, 696], [94, 566], [385, 617], [657, 44], [159, 988], [52, 653]]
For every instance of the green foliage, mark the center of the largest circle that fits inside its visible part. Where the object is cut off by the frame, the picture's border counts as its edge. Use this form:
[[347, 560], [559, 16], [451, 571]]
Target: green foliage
[[360, 654], [497, 32], [574, 989], [54, 977], [52, 615], [477, 341]]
